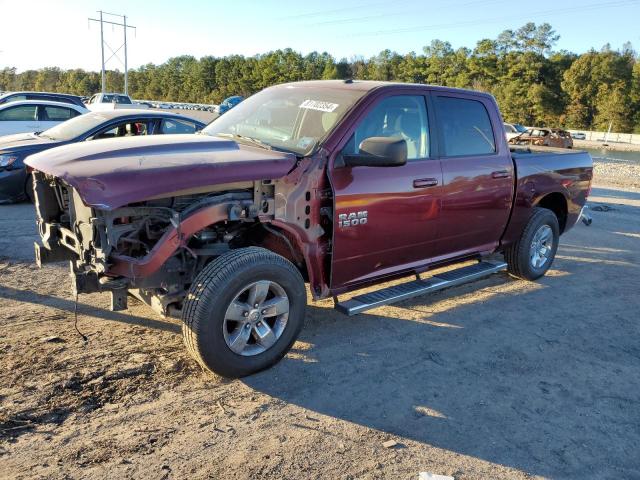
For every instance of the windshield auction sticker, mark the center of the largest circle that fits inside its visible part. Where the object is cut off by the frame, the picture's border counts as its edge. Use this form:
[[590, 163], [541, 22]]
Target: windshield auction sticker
[[318, 105]]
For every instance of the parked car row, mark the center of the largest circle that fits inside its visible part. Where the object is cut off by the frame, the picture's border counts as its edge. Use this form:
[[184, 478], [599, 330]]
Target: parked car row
[[174, 105], [14, 181], [99, 101], [226, 105]]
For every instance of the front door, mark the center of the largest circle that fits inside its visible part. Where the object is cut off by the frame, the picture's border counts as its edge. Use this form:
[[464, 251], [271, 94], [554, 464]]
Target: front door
[[478, 175], [385, 217]]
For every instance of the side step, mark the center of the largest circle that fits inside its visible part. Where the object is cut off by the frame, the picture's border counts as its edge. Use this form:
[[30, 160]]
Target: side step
[[397, 293]]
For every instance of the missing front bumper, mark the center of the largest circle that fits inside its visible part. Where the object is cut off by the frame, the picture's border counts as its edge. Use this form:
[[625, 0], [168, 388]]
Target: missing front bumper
[[52, 255]]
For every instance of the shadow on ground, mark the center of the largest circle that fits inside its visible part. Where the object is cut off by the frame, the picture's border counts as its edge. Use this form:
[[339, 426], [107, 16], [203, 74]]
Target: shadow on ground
[[523, 377], [68, 306]]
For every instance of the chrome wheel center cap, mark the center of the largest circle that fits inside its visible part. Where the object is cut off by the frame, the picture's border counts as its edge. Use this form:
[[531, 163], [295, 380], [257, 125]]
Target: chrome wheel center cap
[[254, 315]]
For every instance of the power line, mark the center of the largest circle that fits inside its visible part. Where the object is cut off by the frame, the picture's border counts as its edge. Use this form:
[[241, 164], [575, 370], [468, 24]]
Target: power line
[[114, 53], [555, 12], [378, 16], [318, 13]]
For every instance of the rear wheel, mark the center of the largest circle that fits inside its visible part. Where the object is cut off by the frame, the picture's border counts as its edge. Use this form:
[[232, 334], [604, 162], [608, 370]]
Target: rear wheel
[[243, 312], [532, 255]]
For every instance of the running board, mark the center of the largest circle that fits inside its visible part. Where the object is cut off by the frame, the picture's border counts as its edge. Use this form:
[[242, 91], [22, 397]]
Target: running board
[[397, 293]]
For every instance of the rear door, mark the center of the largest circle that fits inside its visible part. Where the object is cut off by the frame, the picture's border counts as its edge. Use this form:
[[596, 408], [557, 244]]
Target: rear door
[[478, 174], [18, 119], [385, 217]]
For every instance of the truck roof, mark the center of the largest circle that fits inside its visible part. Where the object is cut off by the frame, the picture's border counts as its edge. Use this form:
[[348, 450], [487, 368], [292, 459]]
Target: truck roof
[[369, 85]]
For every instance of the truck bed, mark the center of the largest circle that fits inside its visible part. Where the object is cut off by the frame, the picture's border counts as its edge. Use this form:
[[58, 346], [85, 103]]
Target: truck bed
[[542, 169]]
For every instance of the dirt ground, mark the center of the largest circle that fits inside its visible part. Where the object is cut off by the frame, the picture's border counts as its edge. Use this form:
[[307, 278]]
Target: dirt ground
[[498, 379]]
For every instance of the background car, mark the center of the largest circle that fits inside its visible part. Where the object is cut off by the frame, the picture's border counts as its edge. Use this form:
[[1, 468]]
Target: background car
[[14, 181], [579, 136], [544, 137], [52, 97], [513, 130], [35, 115], [228, 103], [110, 98]]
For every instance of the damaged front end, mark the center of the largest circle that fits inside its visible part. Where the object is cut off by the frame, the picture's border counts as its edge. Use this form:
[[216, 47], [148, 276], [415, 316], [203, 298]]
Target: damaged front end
[[151, 249]]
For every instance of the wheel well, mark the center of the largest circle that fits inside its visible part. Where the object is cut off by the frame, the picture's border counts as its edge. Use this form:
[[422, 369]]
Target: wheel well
[[278, 241], [557, 203]]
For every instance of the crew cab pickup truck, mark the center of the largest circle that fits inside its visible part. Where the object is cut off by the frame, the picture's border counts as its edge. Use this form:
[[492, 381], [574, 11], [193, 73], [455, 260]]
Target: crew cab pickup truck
[[101, 102], [338, 184]]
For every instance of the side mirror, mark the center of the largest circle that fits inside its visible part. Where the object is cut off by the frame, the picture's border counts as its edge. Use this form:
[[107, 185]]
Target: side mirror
[[379, 152]]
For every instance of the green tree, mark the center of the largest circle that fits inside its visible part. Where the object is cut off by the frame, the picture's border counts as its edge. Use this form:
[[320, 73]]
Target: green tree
[[532, 83]]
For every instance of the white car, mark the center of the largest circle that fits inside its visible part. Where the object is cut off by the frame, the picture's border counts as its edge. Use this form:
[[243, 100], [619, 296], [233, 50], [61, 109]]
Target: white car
[[579, 136], [24, 116], [102, 102], [513, 130]]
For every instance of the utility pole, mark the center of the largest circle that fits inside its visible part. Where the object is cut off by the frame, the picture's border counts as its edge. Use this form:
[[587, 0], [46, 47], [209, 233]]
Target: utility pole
[[126, 70], [104, 79], [114, 53]]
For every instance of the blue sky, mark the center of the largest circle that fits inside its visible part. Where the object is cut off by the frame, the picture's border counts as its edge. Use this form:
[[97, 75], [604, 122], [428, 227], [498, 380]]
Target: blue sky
[[57, 33]]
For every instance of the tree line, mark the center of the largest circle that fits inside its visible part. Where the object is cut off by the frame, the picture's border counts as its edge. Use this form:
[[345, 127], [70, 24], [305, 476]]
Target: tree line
[[533, 83]]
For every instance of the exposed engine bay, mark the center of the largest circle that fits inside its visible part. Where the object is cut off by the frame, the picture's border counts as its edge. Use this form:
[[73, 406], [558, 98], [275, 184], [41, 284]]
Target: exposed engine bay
[[100, 244]]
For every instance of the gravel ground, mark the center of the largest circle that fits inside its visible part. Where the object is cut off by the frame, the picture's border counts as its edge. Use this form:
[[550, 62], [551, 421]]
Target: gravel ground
[[612, 146], [498, 379], [619, 173]]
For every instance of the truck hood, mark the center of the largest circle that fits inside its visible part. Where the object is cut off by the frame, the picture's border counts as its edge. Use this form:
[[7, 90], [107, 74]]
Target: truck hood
[[111, 173]]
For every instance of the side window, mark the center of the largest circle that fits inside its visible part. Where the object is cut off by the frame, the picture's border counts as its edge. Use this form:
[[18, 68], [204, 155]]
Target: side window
[[21, 113], [57, 114], [124, 129], [176, 126], [466, 127], [403, 116], [55, 99]]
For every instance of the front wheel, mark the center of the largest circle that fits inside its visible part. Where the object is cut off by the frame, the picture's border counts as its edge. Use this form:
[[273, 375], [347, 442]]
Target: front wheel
[[243, 312], [532, 254]]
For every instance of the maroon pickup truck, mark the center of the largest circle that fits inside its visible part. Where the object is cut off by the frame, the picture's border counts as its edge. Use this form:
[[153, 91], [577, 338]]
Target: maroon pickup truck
[[338, 184]]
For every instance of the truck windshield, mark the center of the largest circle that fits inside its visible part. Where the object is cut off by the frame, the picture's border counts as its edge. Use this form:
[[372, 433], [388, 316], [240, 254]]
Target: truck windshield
[[291, 118]]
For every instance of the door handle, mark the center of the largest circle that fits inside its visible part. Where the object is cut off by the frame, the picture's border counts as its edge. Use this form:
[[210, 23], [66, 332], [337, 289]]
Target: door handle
[[500, 174], [425, 182]]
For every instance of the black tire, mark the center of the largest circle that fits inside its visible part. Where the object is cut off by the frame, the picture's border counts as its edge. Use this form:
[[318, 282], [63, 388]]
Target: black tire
[[213, 291], [518, 255]]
